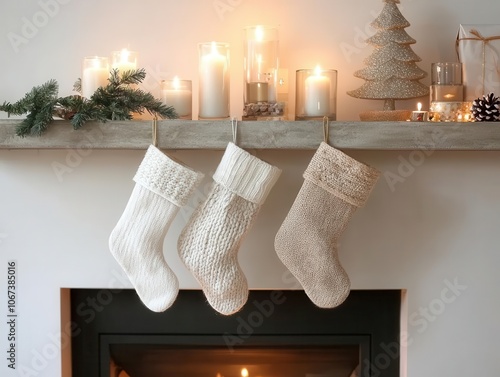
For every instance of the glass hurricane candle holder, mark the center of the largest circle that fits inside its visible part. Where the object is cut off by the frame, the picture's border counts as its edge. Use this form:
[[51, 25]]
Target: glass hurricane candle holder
[[447, 83], [260, 65], [316, 94], [95, 74], [213, 80], [178, 94], [124, 60]]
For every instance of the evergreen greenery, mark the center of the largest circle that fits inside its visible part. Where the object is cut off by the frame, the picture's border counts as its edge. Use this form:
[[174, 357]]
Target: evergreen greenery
[[115, 101]]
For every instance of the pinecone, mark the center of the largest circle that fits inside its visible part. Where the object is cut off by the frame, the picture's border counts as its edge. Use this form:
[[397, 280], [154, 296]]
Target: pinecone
[[486, 109]]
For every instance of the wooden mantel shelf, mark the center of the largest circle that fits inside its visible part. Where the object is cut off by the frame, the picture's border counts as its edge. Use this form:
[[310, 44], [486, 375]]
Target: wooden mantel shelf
[[306, 135]]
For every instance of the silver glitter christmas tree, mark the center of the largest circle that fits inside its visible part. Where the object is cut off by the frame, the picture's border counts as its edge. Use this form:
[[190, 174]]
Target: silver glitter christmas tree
[[391, 72]]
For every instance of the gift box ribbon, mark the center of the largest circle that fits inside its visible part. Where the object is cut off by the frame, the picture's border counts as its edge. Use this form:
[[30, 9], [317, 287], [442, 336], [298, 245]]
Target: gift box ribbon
[[485, 41]]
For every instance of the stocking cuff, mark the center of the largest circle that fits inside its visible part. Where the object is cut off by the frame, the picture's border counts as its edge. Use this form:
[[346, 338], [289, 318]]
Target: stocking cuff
[[246, 175], [166, 177], [341, 175]]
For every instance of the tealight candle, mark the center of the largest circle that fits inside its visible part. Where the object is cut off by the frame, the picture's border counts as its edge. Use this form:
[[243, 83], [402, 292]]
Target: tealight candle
[[419, 115]]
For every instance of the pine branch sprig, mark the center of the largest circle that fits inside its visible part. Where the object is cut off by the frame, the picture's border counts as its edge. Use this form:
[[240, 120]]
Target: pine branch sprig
[[131, 77], [77, 86], [118, 100], [88, 111], [33, 99], [38, 104]]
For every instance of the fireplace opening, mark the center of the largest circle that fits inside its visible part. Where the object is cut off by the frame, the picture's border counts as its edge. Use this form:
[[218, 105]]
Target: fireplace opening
[[292, 361], [277, 333]]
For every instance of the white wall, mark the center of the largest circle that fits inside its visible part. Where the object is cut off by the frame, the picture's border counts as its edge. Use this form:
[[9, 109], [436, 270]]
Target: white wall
[[435, 228]]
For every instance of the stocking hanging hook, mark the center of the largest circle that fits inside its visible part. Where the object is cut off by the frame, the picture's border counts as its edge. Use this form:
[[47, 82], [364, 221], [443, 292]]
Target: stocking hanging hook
[[154, 131], [234, 128], [326, 129]]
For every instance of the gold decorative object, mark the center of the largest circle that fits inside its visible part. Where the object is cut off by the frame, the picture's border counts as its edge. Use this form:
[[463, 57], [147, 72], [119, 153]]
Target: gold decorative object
[[451, 112], [391, 72]]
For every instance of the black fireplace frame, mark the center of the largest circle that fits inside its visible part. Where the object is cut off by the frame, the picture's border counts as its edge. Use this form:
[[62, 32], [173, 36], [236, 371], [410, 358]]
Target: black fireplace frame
[[369, 318]]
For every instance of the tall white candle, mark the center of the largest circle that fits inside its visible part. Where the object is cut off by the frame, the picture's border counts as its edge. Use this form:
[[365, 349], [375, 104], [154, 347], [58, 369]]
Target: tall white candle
[[317, 94], [178, 96], [213, 84], [95, 74]]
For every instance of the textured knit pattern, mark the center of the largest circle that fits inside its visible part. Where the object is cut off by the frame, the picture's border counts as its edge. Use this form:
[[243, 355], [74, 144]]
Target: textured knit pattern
[[166, 177], [210, 242], [209, 246], [246, 175], [341, 175], [136, 242], [334, 186]]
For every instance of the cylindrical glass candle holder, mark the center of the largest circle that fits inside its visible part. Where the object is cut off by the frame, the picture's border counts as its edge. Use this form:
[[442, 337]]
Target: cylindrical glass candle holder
[[316, 94], [178, 94], [95, 74], [446, 82], [124, 60], [213, 80], [260, 66]]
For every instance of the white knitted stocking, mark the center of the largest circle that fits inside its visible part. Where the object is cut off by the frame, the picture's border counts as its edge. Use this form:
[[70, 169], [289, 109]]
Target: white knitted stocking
[[209, 243], [162, 187], [335, 185]]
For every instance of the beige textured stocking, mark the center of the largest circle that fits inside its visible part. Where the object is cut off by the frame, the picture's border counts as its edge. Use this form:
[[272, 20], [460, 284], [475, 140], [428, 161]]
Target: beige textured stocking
[[335, 185]]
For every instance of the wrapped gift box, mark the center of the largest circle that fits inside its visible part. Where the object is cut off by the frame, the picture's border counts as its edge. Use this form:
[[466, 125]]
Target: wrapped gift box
[[478, 48]]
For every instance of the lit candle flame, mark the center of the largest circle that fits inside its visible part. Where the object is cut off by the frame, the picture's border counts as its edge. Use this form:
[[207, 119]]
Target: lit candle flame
[[96, 62], [244, 372], [419, 106], [175, 83], [124, 54], [259, 33], [317, 71], [214, 49]]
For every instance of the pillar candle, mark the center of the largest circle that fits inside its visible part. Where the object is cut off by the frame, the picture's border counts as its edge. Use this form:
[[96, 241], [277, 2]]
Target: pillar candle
[[214, 84], [317, 94], [124, 60], [95, 74], [178, 96]]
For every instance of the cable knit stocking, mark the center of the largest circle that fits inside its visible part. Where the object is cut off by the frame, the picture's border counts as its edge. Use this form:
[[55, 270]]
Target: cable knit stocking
[[209, 243], [162, 186], [335, 185]]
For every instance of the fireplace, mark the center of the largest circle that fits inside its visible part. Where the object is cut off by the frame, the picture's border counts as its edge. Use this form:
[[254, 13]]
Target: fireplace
[[277, 333]]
